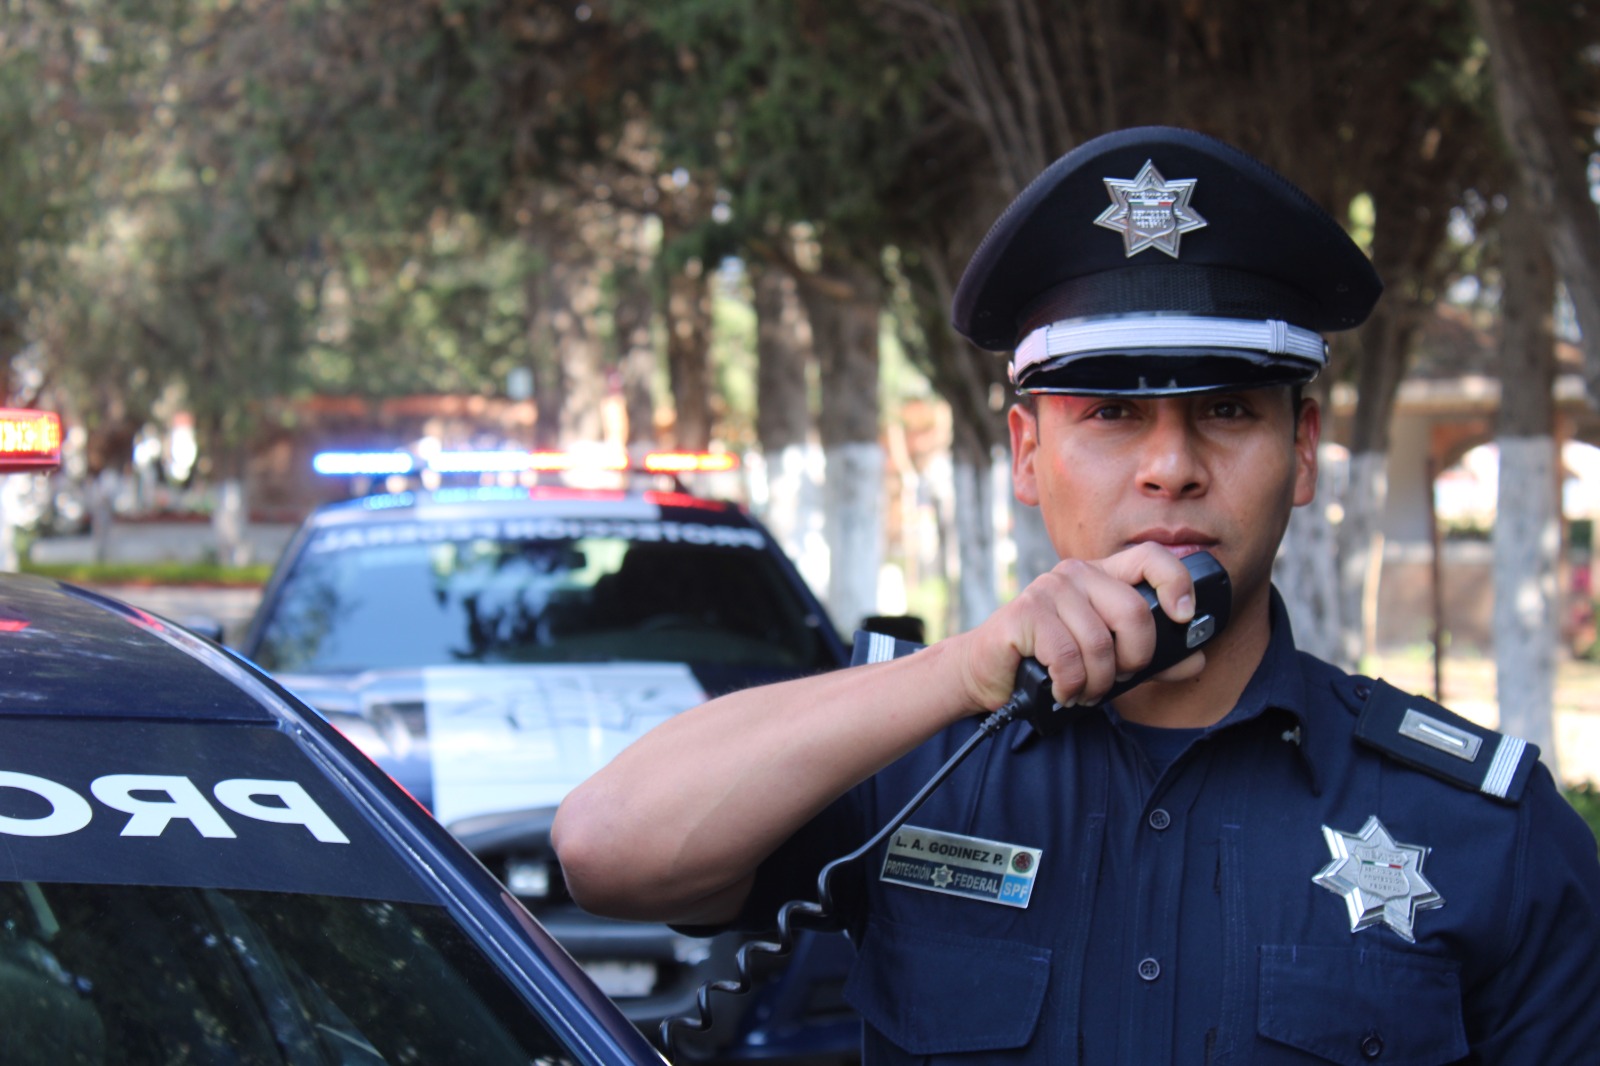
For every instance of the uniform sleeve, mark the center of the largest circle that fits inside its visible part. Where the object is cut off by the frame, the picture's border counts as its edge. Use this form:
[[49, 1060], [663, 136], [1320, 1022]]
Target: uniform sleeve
[[1543, 1003], [790, 873]]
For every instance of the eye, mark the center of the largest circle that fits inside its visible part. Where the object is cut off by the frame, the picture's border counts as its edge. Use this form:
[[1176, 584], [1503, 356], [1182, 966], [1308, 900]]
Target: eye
[[1229, 407], [1110, 411]]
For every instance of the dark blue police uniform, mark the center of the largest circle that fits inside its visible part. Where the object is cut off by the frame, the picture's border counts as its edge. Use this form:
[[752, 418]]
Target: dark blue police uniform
[[1176, 917], [1334, 872]]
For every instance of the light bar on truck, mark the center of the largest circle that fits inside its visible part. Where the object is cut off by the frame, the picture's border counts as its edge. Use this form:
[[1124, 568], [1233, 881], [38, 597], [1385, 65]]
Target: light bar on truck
[[370, 464], [29, 440], [597, 462], [383, 464], [690, 462], [478, 462]]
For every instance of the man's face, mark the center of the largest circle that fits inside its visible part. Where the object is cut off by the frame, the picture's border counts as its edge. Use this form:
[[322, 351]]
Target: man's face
[[1218, 473]]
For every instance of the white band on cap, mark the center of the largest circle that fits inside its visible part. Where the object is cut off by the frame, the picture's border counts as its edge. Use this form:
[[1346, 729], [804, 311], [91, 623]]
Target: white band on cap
[[1083, 335]]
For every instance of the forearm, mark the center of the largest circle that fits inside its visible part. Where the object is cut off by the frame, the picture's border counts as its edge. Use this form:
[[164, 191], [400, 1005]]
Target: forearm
[[674, 828]]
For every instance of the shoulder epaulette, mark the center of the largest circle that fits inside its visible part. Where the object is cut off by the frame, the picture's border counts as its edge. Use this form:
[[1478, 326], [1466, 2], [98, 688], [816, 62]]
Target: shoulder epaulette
[[879, 648], [1420, 733]]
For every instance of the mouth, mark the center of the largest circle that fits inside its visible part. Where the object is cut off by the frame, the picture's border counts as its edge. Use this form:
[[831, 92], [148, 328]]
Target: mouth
[[1179, 542]]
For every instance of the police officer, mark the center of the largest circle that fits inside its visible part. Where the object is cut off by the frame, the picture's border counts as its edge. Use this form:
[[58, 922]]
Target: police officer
[[1251, 858]]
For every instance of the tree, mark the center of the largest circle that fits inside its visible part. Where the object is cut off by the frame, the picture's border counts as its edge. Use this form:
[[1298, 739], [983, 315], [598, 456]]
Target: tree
[[1544, 91], [799, 114], [1527, 529]]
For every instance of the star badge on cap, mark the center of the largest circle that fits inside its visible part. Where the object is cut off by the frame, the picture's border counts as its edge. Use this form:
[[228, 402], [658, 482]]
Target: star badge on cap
[[1380, 880], [1150, 211]]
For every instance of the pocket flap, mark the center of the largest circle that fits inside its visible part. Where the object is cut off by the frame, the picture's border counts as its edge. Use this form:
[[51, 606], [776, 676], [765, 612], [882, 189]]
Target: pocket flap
[[1357, 1006], [934, 992]]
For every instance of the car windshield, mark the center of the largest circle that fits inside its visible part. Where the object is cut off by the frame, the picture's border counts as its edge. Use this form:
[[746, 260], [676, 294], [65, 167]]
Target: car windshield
[[129, 974], [359, 601]]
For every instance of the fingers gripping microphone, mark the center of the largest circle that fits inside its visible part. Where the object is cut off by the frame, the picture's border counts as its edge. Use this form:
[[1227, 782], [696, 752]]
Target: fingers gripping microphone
[[1175, 642]]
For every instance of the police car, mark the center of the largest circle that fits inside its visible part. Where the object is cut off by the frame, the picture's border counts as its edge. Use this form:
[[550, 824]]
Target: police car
[[491, 645], [199, 869]]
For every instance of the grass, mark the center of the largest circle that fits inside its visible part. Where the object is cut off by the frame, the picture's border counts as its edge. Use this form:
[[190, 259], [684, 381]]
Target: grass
[[164, 573]]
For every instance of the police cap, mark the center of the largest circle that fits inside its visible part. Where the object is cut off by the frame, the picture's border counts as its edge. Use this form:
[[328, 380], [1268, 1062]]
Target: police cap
[[1161, 261]]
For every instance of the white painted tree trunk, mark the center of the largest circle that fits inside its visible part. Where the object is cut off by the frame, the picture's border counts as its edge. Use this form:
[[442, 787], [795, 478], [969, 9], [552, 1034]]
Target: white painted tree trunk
[[1527, 624], [853, 502], [1306, 571], [229, 523], [789, 502], [976, 595], [1361, 554], [10, 559], [101, 490]]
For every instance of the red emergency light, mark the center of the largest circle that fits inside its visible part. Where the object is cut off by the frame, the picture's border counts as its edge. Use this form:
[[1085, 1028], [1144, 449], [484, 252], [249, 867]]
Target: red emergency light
[[29, 440]]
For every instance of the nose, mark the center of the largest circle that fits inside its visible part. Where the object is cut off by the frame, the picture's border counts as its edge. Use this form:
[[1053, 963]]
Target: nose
[[1170, 463]]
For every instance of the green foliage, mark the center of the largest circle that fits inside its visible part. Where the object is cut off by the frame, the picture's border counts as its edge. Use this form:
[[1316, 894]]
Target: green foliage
[[1585, 799], [166, 573], [803, 112]]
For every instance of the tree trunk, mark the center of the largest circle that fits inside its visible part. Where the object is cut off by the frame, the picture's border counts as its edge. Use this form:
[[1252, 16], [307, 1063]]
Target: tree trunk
[[783, 418], [973, 383], [549, 376], [1384, 341], [1527, 529], [563, 297], [843, 304], [688, 354], [635, 348], [1552, 173], [972, 469], [575, 285], [1306, 571], [230, 518]]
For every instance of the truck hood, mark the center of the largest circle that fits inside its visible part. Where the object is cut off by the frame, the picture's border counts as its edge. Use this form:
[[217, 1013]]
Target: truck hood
[[467, 741]]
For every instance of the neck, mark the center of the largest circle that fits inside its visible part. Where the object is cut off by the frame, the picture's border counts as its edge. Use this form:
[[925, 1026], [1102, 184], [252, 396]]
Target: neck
[[1231, 660]]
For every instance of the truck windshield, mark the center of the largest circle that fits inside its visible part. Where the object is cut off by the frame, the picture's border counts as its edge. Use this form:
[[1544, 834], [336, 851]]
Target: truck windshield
[[368, 602]]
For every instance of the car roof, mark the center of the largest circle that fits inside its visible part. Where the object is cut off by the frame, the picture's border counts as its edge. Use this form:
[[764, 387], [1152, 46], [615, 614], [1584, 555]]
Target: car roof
[[542, 501], [144, 666]]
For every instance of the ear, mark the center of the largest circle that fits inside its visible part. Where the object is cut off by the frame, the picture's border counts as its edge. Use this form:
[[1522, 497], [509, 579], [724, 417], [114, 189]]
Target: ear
[[1307, 435], [1024, 446]]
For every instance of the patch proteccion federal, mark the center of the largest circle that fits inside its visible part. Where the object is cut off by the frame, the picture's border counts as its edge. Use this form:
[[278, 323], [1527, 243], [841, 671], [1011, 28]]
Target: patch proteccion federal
[[956, 865]]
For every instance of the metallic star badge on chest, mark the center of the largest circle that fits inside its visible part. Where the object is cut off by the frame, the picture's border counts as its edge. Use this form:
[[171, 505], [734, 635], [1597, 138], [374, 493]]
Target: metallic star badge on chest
[[1150, 211], [1380, 880]]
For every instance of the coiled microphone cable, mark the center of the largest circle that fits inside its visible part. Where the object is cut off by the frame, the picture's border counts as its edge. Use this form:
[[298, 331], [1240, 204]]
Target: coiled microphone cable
[[1030, 697]]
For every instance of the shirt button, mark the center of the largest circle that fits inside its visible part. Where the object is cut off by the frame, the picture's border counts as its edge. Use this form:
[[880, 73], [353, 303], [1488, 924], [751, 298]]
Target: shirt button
[[1362, 692], [1159, 818], [1150, 969], [1371, 1046]]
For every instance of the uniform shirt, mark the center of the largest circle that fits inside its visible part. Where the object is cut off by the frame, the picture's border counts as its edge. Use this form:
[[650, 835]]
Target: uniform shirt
[[1173, 916]]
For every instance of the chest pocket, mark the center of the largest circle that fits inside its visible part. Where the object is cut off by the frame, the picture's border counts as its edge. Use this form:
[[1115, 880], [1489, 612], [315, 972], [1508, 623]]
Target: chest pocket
[[932, 992], [1357, 1006]]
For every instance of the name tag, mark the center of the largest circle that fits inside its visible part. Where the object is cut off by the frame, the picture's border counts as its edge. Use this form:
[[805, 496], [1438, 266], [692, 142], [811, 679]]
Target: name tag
[[961, 866]]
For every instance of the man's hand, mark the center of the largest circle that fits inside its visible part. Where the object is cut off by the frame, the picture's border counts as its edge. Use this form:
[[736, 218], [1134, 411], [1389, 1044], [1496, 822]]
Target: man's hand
[[1086, 623]]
